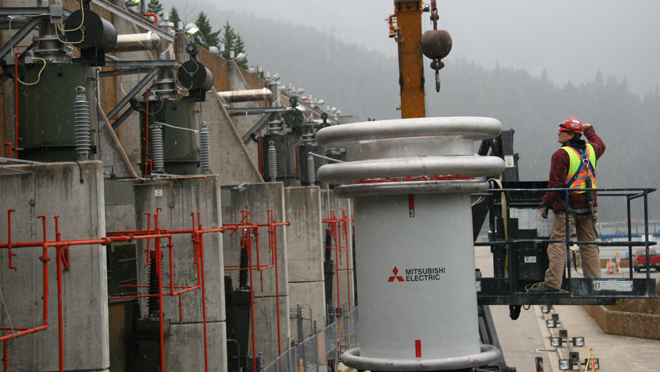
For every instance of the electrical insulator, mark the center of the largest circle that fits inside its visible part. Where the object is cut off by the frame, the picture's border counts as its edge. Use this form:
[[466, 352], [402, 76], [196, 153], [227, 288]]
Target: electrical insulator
[[81, 123], [205, 149], [311, 172], [158, 152], [272, 161]]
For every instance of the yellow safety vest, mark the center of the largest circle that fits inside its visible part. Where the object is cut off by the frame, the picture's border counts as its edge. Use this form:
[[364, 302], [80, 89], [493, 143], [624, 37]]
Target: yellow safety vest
[[586, 171]]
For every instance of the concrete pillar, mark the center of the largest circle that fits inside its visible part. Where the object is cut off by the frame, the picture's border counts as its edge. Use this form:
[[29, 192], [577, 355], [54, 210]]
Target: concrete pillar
[[305, 252], [258, 198], [178, 198], [77, 197], [346, 287]]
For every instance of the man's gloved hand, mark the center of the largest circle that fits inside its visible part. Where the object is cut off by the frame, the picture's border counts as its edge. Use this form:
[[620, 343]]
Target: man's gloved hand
[[544, 210], [585, 126]]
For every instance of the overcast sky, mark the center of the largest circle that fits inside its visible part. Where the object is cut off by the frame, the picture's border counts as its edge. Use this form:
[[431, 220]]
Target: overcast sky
[[571, 39]]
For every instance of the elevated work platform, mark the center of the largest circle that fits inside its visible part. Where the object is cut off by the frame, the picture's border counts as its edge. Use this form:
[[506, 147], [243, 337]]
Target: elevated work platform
[[581, 291], [518, 241]]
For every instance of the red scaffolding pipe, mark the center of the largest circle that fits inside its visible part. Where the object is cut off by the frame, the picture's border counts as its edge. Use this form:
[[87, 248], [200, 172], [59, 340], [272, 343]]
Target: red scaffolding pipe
[[339, 231], [157, 234], [8, 146], [250, 229], [16, 137]]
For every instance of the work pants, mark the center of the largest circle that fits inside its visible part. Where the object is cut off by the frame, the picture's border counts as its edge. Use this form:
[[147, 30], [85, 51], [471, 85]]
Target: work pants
[[557, 251]]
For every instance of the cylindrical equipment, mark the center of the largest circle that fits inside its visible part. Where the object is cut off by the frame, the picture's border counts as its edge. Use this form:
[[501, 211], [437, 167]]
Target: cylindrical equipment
[[81, 119], [249, 95], [95, 31], [193, 75], [158, 154], [136, 42], [205, 149], [272, 162], [416, 255]]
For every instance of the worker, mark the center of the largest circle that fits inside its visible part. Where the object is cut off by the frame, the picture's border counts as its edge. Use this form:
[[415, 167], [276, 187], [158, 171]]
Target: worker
[[573, 166]]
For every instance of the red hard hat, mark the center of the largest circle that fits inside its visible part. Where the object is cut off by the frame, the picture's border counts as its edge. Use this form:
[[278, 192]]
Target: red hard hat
[[571, 125]]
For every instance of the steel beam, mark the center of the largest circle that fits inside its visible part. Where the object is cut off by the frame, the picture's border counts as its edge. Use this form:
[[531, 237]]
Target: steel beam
[[122, 118], [133, 92], [129, 16], [254, 110], [143, 64], [21, 34], [256, 128], [28, 12]]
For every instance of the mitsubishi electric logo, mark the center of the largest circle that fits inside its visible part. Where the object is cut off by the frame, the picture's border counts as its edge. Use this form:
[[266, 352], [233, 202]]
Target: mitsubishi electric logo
[[395, 276], [418, 275]]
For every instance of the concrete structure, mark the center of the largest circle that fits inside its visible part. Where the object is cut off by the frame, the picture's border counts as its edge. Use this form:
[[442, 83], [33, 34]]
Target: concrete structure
[[75, 193], [258, 199], [332, 203], [112, 195], [177, 199], [305, 263]]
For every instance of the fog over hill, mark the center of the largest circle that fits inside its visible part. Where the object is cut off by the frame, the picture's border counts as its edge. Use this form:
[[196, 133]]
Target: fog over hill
[[364, 82]]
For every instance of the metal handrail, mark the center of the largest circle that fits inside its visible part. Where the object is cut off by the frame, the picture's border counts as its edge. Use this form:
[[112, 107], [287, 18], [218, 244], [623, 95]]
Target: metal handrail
[[629, 193]]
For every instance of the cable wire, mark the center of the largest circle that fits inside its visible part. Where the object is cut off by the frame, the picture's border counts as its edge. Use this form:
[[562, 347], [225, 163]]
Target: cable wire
[[38, 76]]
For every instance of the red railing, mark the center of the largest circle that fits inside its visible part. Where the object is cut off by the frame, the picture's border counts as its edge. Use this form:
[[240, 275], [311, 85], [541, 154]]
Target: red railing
[[340, 237], [249, 230], [157, 234]]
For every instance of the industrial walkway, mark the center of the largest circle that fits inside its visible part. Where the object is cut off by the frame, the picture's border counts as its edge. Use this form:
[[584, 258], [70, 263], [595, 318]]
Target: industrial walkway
[[528, 337]]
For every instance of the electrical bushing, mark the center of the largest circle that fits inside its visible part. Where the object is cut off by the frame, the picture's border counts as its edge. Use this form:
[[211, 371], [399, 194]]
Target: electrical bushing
[[412, 180]]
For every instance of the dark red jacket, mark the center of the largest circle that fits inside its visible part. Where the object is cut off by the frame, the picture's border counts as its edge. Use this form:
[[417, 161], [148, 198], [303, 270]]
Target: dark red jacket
[[559, 170]]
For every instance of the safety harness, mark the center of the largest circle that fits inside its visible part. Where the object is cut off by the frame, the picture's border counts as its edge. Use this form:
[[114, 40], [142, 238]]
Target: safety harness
[[585, 175]]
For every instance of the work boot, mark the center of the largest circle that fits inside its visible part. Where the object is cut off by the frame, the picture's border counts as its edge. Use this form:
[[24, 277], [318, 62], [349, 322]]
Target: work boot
[[543, 288]]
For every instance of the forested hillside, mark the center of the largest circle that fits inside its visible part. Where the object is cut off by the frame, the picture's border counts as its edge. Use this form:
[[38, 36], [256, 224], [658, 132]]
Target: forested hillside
[[365, 84]]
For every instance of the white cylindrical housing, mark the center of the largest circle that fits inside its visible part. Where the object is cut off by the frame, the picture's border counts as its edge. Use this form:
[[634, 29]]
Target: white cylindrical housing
[[415, 256], [250, 95], [417, 293], [134, 42]]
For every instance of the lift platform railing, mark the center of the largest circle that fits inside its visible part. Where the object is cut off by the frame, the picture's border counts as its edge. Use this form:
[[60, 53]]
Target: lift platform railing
[[505, 238]]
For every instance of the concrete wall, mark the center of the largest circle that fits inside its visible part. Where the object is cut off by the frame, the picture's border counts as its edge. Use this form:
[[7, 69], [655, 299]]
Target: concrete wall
[[339, 205], [229, 157], [243, 123], [56, 189], [180, 197], [258, 198], [305, 252]]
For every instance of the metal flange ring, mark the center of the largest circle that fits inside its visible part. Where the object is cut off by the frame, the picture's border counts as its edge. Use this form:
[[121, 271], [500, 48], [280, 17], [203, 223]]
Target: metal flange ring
[[352, 358], [469, 127], [413, 187], [472, 166]]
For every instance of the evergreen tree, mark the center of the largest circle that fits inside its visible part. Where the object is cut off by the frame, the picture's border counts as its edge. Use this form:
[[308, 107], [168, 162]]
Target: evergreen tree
[[155, 7], [208, 37], [229, 40], [239, 47], [174, 18]]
